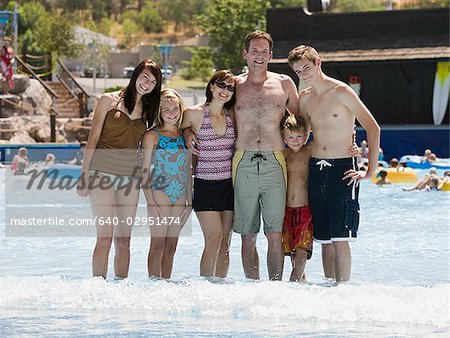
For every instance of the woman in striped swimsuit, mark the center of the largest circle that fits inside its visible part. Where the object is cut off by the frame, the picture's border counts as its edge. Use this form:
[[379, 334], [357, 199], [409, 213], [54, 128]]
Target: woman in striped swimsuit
[[213, 124]]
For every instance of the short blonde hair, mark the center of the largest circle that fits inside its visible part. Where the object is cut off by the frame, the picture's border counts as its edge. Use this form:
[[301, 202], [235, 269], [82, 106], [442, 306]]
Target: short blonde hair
[[293, 123]]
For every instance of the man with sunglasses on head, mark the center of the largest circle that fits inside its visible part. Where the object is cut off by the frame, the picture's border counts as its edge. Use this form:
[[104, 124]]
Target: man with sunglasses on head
[[259, 168]]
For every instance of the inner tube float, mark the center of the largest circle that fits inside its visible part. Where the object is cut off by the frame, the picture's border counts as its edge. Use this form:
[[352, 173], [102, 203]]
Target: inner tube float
[[446, 186], [406, 176], [415, 162]]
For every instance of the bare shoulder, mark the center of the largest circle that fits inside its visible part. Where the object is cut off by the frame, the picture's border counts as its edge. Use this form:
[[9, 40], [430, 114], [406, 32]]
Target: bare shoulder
[[283, 78], [305, 93], [104, 104], [194, 112], [241, 78], [192, 116], [150, 138], [307, 148], [339, 87]]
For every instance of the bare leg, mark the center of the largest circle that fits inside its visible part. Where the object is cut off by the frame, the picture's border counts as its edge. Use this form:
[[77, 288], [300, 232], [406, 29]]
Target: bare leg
[[343, 263], [211, 224], [168, 255], [223, 261], [126, 204], [275, 256], [170, 246], [328, 261], [298, 266], [157, 246], [155, 254], [250, 258], [102, 204]]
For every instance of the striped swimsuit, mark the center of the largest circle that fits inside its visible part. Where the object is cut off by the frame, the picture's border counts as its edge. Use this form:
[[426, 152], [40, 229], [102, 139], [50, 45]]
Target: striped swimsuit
[[216, 151]]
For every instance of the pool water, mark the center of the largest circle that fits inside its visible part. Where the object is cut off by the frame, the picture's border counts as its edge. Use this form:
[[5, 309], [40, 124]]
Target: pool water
[[400, 279]]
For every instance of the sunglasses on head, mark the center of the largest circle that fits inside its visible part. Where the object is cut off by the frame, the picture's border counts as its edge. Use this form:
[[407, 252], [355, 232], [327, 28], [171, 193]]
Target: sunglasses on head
[[223, 85]]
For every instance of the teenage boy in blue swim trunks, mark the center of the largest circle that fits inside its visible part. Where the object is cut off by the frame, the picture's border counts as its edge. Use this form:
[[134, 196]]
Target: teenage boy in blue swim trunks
[[331, 107]]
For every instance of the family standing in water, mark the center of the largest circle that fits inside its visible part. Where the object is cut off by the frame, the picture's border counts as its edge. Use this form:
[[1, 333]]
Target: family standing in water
[[253, 163]]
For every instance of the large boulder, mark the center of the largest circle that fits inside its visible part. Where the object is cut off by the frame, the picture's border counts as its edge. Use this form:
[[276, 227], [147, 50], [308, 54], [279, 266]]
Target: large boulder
[[77, 130], [7, 128], [22, 82], [22, 137], [40, 132], [36, 100]]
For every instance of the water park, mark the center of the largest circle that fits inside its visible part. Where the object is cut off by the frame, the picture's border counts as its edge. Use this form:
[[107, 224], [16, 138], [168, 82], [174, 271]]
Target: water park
[[57, 278]]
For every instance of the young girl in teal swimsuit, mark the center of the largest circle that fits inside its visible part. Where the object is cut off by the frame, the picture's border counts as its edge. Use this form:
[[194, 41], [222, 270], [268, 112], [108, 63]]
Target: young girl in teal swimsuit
[[166, 183]]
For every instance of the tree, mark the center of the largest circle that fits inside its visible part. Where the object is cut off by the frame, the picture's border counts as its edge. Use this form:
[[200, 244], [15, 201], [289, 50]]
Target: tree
[[37, 31], [62, 43], [150, 19], [227, 23], [180, 12], [200, 66]]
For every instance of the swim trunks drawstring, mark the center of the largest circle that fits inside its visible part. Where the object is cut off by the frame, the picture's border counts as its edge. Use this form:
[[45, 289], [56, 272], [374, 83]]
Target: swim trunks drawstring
[[323, 163], [260, 158]]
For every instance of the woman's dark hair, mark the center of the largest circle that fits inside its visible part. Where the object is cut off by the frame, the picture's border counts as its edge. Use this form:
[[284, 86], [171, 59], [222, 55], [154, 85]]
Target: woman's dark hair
[[150, 101], [221, 75]]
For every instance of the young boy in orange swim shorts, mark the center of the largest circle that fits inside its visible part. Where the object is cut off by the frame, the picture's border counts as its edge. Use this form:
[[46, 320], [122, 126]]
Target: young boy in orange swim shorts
[[297, 227]]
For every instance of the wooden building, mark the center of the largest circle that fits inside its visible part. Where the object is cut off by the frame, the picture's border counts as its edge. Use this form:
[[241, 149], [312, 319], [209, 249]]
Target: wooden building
[[391, 55]]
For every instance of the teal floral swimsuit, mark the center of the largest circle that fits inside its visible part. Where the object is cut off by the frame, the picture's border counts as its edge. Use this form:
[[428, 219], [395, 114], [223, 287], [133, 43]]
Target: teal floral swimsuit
[[169, 172]]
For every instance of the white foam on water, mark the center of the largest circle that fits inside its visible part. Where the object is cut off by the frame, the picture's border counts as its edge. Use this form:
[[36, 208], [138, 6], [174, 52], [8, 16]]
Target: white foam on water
[[346, 303]]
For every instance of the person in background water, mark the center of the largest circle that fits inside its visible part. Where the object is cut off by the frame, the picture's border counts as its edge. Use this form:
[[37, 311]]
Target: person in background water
[[213, 125], [383, 178], [166, 183], [20, 162], [109, 173]]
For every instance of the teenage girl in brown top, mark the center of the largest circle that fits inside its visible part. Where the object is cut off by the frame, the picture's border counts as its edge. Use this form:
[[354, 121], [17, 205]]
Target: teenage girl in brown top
[[110, 164]]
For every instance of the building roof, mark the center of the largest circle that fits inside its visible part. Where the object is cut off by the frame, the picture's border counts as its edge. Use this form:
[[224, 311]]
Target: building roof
[[381, 54], [362, 36]]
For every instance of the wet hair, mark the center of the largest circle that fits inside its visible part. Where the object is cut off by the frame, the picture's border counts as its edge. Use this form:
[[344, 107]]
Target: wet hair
[[219, 76], [169, 94], [393, 162], [383, 173], [150, 101], [433, 171], [302, 52], [258, 35], [447, 173], [293, 123]]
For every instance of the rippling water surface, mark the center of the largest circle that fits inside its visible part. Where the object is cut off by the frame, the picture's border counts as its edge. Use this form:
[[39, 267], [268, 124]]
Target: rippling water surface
[[400, 279]]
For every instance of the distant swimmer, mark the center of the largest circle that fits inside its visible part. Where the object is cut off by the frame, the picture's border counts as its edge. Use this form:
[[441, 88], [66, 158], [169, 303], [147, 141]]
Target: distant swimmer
[[383, 178]]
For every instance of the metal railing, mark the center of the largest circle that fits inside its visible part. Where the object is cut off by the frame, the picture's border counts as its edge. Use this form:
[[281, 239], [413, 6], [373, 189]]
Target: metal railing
[[73, 86], [24, 68]]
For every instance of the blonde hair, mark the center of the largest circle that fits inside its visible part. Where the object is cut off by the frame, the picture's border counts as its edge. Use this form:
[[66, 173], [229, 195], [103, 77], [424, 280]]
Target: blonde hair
[[293, 123], [169, 94]]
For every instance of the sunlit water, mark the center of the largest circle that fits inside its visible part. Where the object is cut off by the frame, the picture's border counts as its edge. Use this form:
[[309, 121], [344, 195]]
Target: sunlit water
[[400, 280]]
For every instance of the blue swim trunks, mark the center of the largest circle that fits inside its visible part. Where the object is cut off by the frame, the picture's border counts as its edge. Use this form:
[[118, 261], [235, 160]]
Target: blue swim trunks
[[334, 204]]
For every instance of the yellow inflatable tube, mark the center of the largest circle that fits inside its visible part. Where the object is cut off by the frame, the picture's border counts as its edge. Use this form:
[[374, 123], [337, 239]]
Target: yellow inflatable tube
[[406, 176], [446, 187]]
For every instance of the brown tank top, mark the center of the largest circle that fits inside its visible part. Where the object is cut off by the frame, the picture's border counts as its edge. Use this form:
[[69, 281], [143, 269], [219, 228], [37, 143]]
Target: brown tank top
[[116, 151]]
